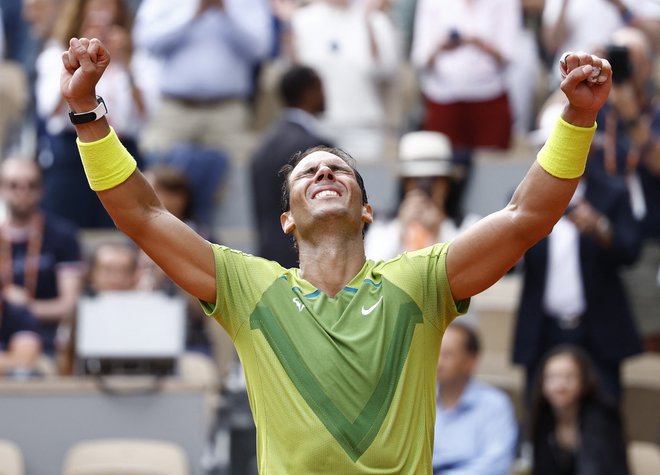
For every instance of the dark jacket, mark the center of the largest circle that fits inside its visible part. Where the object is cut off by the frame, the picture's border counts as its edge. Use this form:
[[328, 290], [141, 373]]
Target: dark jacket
[[609, 326], [281, 141], [602, 449]]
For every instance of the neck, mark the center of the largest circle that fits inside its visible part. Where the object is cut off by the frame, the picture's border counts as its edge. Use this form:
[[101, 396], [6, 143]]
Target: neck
[[566, 415], [331, 262], [450, 392], [19, 221]]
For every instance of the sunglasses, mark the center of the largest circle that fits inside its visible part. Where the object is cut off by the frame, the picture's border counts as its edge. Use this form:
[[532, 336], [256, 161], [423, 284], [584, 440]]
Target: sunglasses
[[15, 185]]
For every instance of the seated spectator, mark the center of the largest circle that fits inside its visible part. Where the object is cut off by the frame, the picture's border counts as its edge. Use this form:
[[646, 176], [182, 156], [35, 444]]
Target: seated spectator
[[20, 346], [573, 431], [429, 212], [113, 267], [40, 262], [475, 426], [296, 130]]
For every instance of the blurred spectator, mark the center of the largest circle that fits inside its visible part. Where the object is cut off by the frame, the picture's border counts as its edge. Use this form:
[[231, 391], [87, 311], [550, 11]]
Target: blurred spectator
[[173, 190], [475, 426], [297, 129], [207, 51], [40, 261], [429, 211], [628, 144], [355, 50], [20, 346], [28, 25], [573, 431], [572, 289], [462, 49], [67, 192], [586, 25], [113, 266]]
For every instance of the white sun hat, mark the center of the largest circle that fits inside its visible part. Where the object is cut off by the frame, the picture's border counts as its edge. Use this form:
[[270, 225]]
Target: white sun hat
[[425, 153]]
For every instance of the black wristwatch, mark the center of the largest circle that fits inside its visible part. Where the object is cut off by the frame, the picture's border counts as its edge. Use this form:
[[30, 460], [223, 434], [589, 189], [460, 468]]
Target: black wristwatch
[[78, 118]]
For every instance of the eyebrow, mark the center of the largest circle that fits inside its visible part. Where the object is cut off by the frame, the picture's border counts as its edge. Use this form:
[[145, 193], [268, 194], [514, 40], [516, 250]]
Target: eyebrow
[[333, 166]]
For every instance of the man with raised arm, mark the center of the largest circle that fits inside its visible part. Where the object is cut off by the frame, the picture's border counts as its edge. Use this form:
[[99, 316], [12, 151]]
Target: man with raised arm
[[340, 354]]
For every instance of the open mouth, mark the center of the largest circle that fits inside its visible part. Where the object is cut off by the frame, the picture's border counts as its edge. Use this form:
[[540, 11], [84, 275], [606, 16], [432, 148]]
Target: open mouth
[[323, 194]]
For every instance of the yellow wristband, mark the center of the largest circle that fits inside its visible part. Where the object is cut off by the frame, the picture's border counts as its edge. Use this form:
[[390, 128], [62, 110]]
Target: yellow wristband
[[107, 163], [564, 154]]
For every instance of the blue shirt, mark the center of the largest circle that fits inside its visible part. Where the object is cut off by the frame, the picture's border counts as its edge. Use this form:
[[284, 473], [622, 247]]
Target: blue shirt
[[209, 55], [477, 436]]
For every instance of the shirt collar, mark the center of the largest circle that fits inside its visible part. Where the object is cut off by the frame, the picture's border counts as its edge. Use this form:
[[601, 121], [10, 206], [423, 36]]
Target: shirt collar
[[302, 118]]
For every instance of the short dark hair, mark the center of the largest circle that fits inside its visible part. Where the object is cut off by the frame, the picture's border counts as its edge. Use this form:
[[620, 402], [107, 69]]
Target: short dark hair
[[296, 82], [297, 157], [472, 343]]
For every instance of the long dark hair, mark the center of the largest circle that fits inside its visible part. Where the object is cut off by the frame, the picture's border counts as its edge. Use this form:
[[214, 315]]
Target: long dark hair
[[542, 416]]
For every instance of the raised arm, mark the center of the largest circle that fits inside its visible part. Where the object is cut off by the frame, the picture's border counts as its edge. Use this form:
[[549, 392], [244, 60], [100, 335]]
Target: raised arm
[[483, 254], [184, 256]]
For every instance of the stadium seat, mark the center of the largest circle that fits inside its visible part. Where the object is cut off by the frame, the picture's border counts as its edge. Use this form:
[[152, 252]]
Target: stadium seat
[[11, 459], [644, 458], [125, 457]]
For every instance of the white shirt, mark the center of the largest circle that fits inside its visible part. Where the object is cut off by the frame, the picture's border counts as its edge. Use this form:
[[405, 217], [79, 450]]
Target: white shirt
[[564, 291], [114, 87], [467, 72], [335, 42]]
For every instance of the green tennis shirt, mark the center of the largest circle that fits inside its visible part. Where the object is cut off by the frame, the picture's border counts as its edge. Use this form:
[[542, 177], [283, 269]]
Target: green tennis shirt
[[344, 384]]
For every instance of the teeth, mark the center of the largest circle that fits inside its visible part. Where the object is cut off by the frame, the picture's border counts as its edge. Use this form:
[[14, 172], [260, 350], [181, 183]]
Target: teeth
[[326, 193]]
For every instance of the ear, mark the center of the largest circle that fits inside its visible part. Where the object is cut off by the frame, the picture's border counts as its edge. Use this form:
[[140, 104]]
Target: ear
[[287, 223], [367, 214]]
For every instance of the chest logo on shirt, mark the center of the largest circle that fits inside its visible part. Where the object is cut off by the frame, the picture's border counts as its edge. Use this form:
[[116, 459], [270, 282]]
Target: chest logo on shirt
[[330, 375], [367, 311]]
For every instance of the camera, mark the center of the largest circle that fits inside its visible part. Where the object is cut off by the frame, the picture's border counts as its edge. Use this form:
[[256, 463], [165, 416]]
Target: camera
[[619, 58]]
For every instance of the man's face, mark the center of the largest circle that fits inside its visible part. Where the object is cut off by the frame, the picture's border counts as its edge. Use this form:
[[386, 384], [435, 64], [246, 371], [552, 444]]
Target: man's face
[[322, 186], [114, 270], [20, 187], [455, 363]]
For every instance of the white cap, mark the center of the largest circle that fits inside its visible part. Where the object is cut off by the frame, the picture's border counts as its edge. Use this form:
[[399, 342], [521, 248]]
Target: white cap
[[425, 153]]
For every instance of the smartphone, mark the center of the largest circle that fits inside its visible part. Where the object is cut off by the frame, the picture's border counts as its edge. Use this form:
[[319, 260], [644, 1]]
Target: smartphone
[[619, 58]]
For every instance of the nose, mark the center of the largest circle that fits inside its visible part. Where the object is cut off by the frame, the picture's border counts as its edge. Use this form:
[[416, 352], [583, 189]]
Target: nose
[[325, 173]]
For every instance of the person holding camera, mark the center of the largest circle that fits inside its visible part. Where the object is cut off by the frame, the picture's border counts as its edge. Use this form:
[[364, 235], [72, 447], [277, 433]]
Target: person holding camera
[[461, 49], [628, 145]]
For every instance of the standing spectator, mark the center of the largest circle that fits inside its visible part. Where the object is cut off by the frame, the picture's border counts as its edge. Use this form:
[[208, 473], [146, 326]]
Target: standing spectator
[[629, 145], [296, 130], [461, 49], [429, 211], [40, 261], [475, 426], [573, 429], [20, 346], [585, 25], [354, 48], [66, 191], [572, 289], [202, 102]]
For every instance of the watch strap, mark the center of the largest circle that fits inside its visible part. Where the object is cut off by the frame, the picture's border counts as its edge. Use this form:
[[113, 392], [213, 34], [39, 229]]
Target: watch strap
[[78, 118]]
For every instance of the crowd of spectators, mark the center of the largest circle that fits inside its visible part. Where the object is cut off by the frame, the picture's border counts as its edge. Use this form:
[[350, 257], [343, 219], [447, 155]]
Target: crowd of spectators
[[485, 77]]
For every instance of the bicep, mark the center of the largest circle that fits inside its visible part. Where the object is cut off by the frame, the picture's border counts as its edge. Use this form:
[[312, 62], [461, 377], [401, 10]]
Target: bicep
[[485, 252]]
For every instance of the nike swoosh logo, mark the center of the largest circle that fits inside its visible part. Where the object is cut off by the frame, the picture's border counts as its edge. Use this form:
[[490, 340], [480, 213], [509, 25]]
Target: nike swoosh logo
[[367, 311]]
